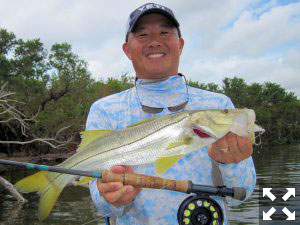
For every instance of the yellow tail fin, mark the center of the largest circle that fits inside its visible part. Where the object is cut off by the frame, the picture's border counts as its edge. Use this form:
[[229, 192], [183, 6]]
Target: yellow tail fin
[[48, 189]]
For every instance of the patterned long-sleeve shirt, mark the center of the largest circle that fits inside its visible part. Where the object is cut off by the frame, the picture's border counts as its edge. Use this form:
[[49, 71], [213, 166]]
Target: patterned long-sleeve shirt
[[160, 206]]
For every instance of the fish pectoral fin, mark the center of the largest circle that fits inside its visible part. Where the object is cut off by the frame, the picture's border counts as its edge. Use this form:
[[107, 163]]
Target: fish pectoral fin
[[89, 136], [187, 140], [83, 180], [162, 164]]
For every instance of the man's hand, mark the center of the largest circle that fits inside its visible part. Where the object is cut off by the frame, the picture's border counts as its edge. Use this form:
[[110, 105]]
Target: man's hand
[[231, 149], [116, 193]]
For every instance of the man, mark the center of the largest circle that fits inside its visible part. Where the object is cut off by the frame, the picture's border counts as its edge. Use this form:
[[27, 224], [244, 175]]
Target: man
[[154, 45]]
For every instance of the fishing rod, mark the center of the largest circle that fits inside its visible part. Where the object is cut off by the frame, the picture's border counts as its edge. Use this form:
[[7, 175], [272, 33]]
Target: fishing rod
[[31, 166], [197, 209]]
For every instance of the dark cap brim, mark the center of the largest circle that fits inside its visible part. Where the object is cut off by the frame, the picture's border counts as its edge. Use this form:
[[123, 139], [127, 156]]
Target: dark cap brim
[[153, 10]]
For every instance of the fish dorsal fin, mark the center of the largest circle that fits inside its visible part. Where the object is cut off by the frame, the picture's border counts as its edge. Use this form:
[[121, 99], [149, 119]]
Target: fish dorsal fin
[[143, 121], [162, 164], [89, 136]]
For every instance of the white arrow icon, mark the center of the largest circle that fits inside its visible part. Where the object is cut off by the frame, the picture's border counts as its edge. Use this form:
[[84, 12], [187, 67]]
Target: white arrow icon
[[267, 215], [267, 191], [291, 216], [290, 192]]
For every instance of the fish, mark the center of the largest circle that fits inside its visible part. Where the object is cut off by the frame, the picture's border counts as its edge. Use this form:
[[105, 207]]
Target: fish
[[161, 140]]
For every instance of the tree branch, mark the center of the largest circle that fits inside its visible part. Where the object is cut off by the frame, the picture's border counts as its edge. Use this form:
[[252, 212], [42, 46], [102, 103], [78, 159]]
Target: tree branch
[[9, 113], [43, 140], [12, 190], [54, 96]]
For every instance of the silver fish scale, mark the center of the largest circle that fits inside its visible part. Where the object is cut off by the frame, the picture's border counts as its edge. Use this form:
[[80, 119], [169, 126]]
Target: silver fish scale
[[136, 145]]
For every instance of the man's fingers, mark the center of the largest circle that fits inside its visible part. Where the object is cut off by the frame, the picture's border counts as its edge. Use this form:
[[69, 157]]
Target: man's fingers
[[234, 149], [115, 196], [109, 187], [217, 154], [221, 145], [115, 192], [231, 149], [128, 169], [118, 169], [231, 139], [130, 195], [122, 169], [245, 146]]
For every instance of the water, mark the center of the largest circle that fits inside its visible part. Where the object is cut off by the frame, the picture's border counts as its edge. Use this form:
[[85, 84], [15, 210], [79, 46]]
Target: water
[[73, 207], [275, 166]]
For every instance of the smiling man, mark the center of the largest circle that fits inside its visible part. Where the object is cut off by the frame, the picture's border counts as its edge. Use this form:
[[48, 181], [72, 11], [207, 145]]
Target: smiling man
[[154, 47], [154, 44]]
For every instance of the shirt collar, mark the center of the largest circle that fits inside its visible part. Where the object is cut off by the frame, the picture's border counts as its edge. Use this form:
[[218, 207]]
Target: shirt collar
[[162, 93]]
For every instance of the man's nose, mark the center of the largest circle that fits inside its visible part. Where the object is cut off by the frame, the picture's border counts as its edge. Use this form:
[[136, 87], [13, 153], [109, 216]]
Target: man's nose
[[154, 41], [154, 44]]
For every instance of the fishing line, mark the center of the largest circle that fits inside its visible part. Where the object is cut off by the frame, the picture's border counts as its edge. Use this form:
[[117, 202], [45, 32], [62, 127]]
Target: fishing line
[[100, 217]]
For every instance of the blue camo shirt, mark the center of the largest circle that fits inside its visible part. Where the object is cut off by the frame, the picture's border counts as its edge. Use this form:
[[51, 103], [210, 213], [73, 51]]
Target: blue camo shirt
[[160, 207]]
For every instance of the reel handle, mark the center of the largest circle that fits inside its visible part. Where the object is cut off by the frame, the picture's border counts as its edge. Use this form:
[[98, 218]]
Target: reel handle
[[143, 181], [239, 193]]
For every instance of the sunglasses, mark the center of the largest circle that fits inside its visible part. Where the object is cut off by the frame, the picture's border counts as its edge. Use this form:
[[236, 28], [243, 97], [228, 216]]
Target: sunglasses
[[175, 108]]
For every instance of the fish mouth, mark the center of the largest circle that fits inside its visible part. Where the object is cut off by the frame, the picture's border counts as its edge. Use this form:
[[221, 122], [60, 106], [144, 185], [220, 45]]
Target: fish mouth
[[203, 132]]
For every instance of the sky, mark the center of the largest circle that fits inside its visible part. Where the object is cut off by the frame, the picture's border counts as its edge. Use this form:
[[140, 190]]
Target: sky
[[257, 40]]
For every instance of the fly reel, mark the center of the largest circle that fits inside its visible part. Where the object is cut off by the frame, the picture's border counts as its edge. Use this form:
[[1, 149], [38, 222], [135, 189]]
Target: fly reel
[[200, 209]]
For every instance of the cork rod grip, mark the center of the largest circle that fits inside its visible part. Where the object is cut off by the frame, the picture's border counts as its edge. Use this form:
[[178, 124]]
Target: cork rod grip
[[143, 181]]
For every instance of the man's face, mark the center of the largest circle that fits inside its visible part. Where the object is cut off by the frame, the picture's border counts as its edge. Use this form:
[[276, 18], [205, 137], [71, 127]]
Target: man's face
[[154, 47]]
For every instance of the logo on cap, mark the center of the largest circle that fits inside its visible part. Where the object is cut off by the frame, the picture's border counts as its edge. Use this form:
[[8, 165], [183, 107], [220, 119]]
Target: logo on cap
[[150, 6]]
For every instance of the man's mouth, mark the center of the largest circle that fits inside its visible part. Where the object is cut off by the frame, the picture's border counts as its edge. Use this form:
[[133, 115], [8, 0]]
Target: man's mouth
[[155, 55]]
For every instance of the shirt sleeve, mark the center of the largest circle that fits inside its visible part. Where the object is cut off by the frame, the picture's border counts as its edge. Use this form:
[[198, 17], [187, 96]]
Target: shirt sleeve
[[240, 174], [99, 120]]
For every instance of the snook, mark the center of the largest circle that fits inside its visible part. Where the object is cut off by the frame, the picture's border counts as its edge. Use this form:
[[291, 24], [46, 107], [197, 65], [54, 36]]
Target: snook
[[162, 140]]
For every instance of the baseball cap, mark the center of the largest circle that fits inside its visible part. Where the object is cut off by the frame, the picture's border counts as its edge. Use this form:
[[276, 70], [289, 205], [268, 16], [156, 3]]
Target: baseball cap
[[147, 9]]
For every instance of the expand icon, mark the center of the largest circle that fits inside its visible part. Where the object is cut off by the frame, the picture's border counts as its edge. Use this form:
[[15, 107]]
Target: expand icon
[[290, 215]]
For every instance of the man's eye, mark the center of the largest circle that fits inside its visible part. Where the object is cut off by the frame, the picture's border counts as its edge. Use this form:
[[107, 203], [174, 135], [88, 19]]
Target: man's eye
[[165, 32], [142, 35]]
